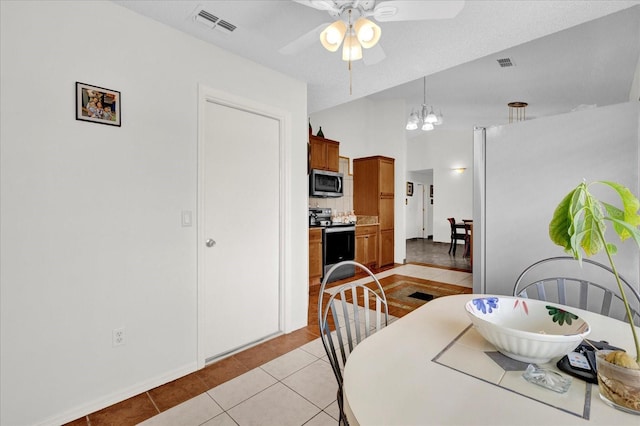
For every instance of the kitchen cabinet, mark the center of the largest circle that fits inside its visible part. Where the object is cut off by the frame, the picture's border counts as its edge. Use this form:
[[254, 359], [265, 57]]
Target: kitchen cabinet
[[315, 255], [373, 195], [325, 154], [367, 245]]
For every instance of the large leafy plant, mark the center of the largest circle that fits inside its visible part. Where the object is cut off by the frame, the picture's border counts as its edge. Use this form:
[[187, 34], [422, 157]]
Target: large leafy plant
[[579, 224]]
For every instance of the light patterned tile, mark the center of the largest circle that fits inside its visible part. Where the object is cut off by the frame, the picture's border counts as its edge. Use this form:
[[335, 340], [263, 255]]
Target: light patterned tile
[[276, 405], [241, 388], [288, 363], [315, 347], [315, 382], [194, 412], [221, 420], [321, 419]]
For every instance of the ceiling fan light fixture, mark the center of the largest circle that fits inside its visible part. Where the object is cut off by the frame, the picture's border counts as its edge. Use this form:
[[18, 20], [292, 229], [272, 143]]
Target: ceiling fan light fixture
[[368, 33], [332, 36], [351, 50]]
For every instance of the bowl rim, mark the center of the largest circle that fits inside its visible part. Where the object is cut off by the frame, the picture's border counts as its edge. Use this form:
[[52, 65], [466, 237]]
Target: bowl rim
[[522, 333]]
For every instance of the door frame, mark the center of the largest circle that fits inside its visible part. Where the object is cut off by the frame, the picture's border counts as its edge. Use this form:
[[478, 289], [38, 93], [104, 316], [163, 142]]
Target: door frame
[[209, 94]]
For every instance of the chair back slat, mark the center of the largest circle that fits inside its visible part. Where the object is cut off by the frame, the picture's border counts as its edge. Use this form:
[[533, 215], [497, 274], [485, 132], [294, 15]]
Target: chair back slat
[[366, 312], [606, 303], [584, 294], [542, 295], [562, 291]]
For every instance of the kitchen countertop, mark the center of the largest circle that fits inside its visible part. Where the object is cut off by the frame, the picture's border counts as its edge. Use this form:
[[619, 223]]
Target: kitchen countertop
[[367, 220]]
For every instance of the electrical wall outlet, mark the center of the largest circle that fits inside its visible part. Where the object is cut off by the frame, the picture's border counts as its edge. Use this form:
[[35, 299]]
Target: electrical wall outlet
[[118, 336]]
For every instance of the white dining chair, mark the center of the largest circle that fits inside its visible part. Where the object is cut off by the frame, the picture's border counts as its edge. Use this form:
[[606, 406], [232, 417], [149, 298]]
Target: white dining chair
[[348, 314], [590, 286]]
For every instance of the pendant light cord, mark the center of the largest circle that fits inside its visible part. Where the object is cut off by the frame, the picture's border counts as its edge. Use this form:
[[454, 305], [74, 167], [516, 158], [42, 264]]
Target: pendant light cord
[[350, 52]]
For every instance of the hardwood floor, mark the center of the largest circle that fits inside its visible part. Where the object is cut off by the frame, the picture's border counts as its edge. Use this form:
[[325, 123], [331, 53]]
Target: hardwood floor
[[425, 251]]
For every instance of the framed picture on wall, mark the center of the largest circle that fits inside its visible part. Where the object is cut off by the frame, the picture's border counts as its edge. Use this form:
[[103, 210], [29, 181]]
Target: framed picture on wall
[[97, 104], [410, 189]]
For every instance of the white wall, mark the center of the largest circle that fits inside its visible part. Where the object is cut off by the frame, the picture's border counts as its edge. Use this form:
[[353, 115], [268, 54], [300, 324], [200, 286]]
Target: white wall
[[90, 214], [547, 158], [441, 150], [365, 128]]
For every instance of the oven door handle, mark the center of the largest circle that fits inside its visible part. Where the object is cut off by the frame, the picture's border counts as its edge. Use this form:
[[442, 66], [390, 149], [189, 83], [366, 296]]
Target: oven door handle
[[334, 229]]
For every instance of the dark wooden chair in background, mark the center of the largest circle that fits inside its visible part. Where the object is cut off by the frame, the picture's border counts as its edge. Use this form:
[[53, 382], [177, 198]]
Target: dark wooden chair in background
[[459, 232]]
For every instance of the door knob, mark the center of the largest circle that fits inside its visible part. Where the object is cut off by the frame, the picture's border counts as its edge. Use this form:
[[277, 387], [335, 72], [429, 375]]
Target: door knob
[[210, 243]]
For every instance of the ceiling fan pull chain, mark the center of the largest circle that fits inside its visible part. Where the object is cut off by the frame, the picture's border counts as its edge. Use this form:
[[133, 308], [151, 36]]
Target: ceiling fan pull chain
[[350, 79]]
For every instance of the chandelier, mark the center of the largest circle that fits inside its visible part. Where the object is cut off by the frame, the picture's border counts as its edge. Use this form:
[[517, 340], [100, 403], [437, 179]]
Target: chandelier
[[426, 119]]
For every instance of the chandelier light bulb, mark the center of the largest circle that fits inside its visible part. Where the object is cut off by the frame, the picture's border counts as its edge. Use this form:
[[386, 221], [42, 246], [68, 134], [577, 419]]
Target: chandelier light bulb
[[427, 127], [431, 117], [414, 120]]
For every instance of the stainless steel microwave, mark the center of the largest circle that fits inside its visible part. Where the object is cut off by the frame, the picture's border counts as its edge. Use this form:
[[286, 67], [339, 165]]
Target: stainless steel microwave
[[325, 184]]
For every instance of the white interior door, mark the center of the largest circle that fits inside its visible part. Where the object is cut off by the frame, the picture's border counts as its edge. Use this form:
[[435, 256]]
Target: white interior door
[[240, 159], [422, 224], [414, 212]]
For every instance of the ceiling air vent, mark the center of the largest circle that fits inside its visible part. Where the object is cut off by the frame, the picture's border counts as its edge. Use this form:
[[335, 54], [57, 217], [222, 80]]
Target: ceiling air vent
[[505, 62], [212, 21]]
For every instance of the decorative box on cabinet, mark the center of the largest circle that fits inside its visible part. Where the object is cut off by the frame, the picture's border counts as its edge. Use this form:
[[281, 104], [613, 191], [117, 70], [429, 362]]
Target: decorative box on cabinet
[[373, 195], [325, 154], [315, 255], [367, 245]]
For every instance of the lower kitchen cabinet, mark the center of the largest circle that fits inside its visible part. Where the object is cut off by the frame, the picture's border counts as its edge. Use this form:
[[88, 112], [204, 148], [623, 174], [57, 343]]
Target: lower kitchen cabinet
[[315, 255], [367, 245], [386, 249]]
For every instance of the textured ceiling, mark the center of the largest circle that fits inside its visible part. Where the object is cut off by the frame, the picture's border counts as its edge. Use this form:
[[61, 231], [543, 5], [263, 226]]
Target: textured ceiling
[[566, 53]]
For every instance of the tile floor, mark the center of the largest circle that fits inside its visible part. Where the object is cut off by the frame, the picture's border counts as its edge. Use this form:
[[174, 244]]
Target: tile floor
[[284, 381]]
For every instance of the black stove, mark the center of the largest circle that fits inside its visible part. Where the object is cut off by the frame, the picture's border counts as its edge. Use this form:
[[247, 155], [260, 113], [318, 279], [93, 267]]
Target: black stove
[[338, 242]]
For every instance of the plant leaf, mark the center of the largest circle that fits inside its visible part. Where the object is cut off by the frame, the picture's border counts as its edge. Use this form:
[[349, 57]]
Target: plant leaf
[[561, 223], [590, 241]]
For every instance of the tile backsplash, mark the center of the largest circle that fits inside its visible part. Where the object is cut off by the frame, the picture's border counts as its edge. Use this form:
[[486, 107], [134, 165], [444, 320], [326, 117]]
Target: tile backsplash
[[341, 204]]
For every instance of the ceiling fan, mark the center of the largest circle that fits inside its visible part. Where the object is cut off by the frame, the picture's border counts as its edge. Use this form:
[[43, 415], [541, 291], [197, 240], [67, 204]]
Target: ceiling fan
[[353, 26]]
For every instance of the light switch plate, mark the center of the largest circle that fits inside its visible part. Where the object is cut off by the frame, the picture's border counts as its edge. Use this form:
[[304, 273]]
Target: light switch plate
[[187, 218]]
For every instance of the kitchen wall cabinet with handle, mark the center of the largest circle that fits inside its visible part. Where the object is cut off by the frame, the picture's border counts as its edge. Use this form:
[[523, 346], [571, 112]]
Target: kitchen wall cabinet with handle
[[315, 255], [367, 245], [325, 154], [373, 195]]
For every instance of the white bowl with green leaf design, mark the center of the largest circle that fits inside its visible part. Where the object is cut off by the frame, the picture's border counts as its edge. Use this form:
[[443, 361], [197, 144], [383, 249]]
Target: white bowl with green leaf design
[[527, 330]]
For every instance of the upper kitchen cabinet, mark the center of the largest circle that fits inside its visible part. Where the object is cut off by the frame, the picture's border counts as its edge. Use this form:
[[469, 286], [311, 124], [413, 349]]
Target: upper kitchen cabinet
[[373, 195], [325, 154]]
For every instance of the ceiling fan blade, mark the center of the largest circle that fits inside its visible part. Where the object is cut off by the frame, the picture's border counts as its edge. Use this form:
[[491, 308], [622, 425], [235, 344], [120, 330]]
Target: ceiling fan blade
[[320, 4], [374, 55], [303, 42], [399, 10]]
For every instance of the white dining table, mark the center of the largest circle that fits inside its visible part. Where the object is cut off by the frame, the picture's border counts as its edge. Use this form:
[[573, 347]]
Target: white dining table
[[397, 376]]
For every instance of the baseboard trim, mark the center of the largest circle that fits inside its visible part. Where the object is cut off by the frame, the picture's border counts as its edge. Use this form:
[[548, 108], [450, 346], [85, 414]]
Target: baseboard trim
[[119, 396]]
